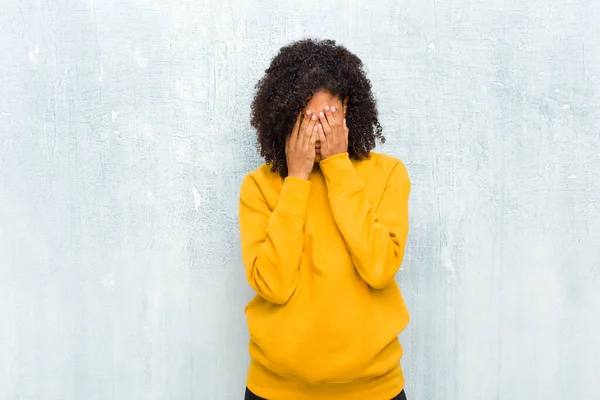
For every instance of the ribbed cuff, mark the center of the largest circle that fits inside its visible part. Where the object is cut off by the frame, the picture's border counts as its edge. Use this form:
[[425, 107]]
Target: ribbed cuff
[[293, 198], [339, 173]]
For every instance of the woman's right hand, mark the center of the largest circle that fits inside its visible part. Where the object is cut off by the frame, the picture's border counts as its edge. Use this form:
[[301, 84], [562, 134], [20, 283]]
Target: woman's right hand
[[300, 146]]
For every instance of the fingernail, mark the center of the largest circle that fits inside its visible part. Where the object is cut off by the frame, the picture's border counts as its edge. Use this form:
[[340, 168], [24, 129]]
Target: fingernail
[[321, 115], [315, 129], [326, 108], [314, 117], [307, 112], [320, 126], [332, 109]]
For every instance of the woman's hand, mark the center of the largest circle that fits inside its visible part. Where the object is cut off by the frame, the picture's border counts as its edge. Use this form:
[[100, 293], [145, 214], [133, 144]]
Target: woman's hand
[[300, 146], [333, 132]]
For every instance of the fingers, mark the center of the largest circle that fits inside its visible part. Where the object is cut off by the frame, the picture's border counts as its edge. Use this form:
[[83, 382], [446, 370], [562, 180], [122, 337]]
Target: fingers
[[346, 130], [326, 126], [331, 114], [336, 116], [302, 128], [291, 139], [311, 125], [305, 121], [313, 139], [308, 131], [321, 133]]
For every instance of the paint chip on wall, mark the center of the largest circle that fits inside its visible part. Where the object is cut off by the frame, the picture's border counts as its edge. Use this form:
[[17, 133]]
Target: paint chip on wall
[[140, 59], [34, 54], [197, 198]]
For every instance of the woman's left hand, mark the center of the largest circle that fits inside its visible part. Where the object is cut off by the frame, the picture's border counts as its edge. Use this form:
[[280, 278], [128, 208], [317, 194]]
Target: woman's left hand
[[333, 132]]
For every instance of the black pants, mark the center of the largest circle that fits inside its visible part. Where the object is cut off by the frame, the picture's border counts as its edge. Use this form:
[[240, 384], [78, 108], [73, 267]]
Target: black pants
[[252, 396]]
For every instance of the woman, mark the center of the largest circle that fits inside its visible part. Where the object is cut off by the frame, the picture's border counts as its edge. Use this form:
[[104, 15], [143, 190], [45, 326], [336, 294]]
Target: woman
[[323, 228]]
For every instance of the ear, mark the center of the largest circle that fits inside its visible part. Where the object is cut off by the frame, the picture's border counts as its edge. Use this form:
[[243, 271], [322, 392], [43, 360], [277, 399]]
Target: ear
[[345, 104]]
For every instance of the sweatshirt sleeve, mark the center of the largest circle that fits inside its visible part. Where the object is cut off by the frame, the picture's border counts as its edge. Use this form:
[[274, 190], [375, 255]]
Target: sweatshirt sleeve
[[272, 240], [376, 240]]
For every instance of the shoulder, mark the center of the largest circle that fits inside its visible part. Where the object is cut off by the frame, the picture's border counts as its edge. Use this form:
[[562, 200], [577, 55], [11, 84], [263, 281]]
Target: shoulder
[[387, 165], [384, 160], [261, 177]]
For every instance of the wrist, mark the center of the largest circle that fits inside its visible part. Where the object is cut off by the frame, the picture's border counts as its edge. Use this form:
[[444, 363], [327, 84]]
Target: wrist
[[293, 197], [334, 153], [340, 174], [299, 175], [342, 154]]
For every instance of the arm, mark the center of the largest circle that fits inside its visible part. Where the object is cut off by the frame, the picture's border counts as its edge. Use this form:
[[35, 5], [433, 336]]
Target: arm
[[376, 241], [272, 241]]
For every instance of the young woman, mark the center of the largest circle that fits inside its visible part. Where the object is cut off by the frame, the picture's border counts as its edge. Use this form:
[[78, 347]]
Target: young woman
[[323, 228]]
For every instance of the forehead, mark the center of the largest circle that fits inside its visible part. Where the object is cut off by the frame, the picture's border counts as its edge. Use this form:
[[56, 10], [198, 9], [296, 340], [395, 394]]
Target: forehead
[[321, 99]]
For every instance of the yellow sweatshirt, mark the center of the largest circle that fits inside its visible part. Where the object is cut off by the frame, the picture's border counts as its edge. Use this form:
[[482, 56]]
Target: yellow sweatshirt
[[321, 255]]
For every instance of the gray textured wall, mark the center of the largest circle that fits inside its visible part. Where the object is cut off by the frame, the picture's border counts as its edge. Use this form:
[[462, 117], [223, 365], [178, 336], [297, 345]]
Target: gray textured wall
[[124, 135]]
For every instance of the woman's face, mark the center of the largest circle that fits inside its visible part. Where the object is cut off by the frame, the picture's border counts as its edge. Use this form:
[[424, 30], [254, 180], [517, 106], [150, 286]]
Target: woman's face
[[318, 102]]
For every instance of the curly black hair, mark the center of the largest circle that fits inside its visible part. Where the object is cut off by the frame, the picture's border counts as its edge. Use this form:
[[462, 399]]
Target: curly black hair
[[298, 71]]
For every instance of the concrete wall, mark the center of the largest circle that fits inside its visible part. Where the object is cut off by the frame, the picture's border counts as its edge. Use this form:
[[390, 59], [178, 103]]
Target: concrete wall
[[124, 136]]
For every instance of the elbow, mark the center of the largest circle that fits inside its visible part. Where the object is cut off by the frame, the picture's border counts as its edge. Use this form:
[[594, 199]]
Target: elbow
[[384, 270], [378, 267], [281, 296], [275, 289], [381, 274], [380, 281]]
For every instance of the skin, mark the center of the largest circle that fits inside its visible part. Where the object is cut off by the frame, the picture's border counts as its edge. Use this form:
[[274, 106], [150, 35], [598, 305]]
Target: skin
[[320, 132]]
